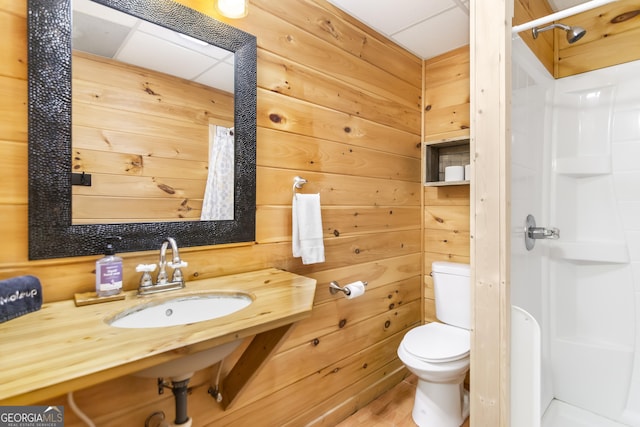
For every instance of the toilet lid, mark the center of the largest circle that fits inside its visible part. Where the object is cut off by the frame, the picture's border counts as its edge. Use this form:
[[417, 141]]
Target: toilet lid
[[437, 342]]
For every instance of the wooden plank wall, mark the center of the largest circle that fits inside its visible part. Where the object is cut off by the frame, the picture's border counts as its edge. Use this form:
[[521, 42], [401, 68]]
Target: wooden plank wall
[[607, 42], [338, 105], [127, 122], [446, 209], [446, 233], [447, 95]]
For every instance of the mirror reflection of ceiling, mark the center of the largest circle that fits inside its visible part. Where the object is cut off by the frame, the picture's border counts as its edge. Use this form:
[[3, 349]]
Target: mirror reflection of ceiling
[[103, 31], [427, 28]]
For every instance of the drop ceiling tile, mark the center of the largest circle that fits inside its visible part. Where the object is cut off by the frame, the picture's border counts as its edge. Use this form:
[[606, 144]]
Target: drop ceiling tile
[[219, 76], [97, 36], [433, 37], [390, 16], [151, 52]]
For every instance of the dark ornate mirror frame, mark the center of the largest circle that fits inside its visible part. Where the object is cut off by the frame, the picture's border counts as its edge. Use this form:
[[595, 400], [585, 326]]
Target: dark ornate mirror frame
[[51, 234]]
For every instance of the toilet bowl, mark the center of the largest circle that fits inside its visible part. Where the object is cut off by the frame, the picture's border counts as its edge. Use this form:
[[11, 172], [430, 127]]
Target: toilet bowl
[[438, 352], [438, 355]]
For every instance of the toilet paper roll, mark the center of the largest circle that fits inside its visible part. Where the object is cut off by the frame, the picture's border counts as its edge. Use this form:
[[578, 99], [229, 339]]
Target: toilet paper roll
[[355, 289], [467, 172], [454, 173]]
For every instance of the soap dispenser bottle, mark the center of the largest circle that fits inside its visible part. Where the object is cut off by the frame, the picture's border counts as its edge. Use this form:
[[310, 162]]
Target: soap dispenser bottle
[[109, 273]]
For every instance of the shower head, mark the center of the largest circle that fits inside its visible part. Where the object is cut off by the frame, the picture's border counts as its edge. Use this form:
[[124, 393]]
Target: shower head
[[573, 33]]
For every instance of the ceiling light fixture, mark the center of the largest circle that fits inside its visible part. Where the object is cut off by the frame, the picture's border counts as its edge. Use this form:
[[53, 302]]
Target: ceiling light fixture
[[233, 9]]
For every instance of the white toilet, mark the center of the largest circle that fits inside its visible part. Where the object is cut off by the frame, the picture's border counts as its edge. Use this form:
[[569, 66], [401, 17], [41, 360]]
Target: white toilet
[[438, 353]]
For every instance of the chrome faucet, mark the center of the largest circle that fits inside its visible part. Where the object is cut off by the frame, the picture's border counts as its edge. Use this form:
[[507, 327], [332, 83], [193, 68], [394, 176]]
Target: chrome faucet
[[162, 281]]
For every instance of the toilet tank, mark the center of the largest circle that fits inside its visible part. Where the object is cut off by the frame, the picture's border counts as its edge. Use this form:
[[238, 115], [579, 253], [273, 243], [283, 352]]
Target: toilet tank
[[452, 287]]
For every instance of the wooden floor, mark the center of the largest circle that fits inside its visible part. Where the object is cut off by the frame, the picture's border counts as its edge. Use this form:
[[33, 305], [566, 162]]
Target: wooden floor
[[392, 409]]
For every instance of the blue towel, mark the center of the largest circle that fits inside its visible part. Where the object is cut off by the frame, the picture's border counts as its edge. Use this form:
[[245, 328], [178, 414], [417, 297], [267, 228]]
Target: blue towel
[[19, 296]]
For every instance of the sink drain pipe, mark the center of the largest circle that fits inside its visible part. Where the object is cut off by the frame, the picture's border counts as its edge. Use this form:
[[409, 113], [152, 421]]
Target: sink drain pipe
[[180, 390]]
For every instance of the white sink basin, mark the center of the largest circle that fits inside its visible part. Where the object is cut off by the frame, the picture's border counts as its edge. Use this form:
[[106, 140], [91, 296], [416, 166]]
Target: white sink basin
[[184, 367], [181, 310]]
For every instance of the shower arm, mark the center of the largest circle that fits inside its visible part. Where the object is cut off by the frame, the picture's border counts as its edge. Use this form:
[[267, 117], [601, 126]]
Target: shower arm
[[537, 31]]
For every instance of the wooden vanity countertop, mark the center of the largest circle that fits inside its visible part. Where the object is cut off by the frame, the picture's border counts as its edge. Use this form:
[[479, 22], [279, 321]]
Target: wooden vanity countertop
[[62, 347]]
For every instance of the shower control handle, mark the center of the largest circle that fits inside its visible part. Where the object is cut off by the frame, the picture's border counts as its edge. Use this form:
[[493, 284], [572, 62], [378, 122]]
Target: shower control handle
[[543, 233], [533, 233]]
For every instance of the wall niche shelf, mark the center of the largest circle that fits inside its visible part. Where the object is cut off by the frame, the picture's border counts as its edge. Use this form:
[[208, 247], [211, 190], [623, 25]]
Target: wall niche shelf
[[583, 167], [445, 183], [444, 152], [613, 252]]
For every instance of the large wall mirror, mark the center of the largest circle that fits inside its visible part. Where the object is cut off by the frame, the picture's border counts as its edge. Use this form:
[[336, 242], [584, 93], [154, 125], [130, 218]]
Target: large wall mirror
[[142, 124]]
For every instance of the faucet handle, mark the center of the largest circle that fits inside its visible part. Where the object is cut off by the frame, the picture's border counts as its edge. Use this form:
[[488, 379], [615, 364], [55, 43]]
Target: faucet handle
[[177, 273], [145, 268], [145, 280], [179, 264]]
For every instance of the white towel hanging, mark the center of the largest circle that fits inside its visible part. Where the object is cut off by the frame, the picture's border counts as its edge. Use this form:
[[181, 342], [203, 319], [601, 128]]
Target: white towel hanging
[[307, 228]]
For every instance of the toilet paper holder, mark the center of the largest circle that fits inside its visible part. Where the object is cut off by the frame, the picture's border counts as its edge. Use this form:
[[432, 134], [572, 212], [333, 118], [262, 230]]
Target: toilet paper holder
[[334, 288]]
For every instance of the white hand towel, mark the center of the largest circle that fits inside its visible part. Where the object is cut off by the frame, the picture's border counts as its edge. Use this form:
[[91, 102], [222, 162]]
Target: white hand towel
[[307, 228]]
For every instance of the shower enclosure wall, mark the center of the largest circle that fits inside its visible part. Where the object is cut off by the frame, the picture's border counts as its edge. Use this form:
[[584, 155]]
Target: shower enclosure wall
[[576, 166]]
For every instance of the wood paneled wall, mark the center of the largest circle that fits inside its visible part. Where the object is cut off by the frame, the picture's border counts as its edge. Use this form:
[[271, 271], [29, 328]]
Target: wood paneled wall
[[446, 209], [447, 95], [127, 123], [338, 105], [608, 41]]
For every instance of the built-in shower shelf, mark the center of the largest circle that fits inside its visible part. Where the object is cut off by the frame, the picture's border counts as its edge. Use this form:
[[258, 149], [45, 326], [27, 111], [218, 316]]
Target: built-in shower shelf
[[445, 183], [606, 252], [588, 343], [582, 167]]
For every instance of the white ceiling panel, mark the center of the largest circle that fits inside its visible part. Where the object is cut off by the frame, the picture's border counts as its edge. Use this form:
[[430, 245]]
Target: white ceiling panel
[[389, 17], [142, 50], [443, 33], [220, 76], [425, 27]]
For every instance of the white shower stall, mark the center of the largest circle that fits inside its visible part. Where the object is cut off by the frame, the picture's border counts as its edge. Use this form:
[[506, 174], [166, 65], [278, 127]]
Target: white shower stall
[[576, 166]]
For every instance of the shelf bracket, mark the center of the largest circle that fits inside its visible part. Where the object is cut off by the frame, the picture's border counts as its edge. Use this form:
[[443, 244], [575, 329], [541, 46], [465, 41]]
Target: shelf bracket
[[252, 361]]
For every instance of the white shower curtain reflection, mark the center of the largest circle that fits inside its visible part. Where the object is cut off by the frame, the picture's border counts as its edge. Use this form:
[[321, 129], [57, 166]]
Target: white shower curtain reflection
[[218, 194]]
